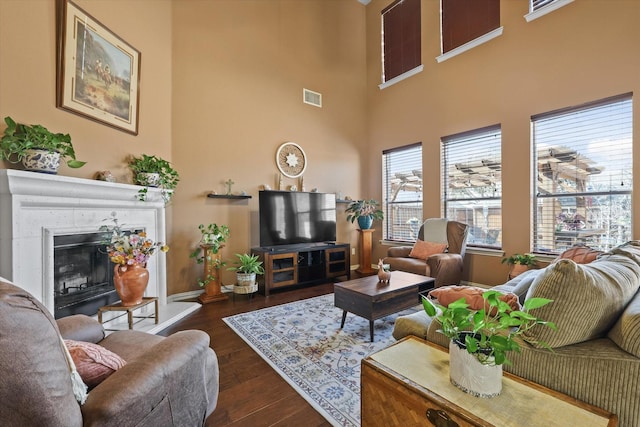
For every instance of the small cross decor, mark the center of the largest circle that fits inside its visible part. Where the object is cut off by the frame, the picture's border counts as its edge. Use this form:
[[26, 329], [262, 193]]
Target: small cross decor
[[229, 183]]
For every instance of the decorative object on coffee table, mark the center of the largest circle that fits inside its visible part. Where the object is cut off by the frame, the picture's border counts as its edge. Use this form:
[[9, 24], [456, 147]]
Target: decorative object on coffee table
[[486, 334], [130, 253], [384, 275], [213, 237]]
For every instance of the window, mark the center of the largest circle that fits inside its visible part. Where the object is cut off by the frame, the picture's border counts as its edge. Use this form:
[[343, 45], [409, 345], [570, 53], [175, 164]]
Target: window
[[401, 51], [402, 193], [472, 183], [583, 176], [466, 20], [538, 8]]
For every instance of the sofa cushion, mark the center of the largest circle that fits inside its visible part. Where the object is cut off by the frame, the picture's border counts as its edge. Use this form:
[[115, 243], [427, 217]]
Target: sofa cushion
[[423, 250], [519, 285], [626, 331], [445, 295], [587, 298], [93, 362]]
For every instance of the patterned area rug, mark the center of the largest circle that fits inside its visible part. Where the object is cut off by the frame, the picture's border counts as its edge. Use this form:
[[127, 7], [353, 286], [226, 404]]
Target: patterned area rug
[[303, 342]]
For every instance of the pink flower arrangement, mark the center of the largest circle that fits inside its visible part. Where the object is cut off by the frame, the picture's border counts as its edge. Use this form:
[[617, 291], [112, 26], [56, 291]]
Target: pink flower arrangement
[[129, 248]]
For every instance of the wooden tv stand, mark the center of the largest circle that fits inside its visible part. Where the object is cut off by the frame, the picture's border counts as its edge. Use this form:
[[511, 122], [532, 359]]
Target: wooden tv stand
[[302, 264]]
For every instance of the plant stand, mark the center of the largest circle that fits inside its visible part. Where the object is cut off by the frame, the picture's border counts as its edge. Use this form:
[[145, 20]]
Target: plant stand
[[212, 290], [365, 252]]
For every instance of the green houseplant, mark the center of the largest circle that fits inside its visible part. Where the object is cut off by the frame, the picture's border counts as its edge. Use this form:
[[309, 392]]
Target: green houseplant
[[364, 211], [212, 239], [519, 263], [154, 171], [19, 141], [479, 340], [247, 267]]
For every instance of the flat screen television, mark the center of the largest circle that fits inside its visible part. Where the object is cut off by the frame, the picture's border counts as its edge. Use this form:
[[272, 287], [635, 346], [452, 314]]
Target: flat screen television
[[291, 217]]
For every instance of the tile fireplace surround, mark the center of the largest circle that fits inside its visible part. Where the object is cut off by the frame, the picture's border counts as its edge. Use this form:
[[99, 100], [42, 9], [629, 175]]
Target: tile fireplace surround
[[36, 207]]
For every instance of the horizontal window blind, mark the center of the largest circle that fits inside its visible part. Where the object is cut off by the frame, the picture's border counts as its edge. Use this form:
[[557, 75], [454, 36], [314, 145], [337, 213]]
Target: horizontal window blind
[[537, 4], [401, 38], [472, 183], [466, 20], [402, 193], [583, 176]]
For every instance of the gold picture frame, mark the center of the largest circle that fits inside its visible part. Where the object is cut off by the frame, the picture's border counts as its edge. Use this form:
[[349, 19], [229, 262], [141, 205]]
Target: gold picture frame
[[98, 73]]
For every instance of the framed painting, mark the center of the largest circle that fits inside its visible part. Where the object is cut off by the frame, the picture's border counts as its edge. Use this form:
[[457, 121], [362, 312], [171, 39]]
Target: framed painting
[[98, 73]]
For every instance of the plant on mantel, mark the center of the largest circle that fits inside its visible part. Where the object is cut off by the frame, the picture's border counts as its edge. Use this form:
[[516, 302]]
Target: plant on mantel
[[154, 171]]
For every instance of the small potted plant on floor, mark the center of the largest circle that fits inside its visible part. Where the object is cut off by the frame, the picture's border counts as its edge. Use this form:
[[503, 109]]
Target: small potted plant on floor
[[364, 211], [153, 171], [36, 147], [480, 339], [519, 263], [247, 267]]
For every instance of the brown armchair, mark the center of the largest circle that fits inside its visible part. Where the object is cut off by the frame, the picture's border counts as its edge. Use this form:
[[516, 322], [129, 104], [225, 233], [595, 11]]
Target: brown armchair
[[170, 381], [446, 267]]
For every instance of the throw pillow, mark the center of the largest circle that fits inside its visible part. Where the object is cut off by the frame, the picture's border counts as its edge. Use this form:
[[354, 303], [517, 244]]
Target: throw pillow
[[580, 254], [445, 295], [587, 299], [423, 250], [93, 362]]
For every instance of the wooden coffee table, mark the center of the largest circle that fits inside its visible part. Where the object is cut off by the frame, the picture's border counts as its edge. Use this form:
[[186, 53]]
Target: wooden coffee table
[[367, 297]]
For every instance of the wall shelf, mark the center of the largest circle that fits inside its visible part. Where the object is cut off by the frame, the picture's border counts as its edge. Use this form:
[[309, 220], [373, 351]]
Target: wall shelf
[[227, 196]]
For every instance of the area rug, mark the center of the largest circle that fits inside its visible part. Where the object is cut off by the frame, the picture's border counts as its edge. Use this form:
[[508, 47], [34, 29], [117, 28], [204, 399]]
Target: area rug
[[303, 342]]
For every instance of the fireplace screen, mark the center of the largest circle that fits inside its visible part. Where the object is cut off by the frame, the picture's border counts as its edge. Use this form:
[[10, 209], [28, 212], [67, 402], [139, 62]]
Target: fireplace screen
[[83, 275]]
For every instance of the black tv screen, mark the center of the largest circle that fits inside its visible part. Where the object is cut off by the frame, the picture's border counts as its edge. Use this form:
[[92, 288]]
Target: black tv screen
[[291, 217]]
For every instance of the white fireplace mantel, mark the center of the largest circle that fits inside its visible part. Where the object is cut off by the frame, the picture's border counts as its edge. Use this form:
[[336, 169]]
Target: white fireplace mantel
[[35, 207]]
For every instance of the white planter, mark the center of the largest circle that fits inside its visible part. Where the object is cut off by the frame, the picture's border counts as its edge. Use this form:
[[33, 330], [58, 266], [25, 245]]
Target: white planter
[[246, 283], [471, 376], [37, 160], [148, 179]]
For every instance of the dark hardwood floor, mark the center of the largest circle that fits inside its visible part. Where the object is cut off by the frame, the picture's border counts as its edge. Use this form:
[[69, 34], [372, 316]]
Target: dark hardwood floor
[[251, 392]]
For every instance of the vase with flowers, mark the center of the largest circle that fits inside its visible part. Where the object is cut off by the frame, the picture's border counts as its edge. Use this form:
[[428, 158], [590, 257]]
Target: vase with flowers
[[129, 251]]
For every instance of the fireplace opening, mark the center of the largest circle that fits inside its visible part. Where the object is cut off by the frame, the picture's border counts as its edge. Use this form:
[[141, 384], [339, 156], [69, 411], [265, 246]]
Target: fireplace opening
[[83, 275]]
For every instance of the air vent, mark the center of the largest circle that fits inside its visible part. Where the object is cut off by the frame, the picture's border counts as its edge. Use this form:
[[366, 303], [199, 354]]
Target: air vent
[[312, 98]]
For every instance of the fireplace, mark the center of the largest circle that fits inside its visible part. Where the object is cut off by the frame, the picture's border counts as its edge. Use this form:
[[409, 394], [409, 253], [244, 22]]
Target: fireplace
[[40, 214]]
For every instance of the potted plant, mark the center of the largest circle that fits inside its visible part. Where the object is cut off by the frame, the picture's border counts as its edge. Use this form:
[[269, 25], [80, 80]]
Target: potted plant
[[519, 263], [153, 171], [480, 339], [364, 211], [36, 147], [212, 239], [247, 268]]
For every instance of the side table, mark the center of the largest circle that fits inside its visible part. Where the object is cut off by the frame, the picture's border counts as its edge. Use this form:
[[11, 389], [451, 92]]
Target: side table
[[129, 311], [407, 383]]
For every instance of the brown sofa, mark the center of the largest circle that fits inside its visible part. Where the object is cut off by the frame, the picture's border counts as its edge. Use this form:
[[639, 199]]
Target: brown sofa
[[170, 381], [596, 349], [446, 267]]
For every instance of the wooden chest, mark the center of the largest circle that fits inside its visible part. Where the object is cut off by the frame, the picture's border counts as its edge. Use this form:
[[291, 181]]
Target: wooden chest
[[408, 384]]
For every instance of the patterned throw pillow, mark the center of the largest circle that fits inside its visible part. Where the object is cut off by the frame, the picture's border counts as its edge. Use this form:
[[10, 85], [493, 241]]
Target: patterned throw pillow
[[579, 254], [93, 362], [423, 250]]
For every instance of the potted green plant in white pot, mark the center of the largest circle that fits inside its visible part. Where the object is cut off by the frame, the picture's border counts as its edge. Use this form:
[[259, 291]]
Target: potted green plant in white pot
[[364, 211], [154, 171], [36, 147], [479, 340], [247, 267]]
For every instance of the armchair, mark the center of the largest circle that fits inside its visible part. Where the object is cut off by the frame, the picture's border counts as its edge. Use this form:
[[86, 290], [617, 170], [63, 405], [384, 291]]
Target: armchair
[[170, 381], [445, 267]]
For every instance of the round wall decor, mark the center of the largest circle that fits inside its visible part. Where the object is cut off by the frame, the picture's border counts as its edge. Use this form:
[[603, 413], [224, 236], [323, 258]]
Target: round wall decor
[[291, 159]]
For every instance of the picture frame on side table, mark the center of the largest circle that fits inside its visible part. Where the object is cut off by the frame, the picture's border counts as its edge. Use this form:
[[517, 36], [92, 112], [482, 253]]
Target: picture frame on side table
[[98, 73]]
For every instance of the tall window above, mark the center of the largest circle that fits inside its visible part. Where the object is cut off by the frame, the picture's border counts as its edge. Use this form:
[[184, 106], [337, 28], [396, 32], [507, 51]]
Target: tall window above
[[467, 20], [472, 183], [402, 193], [583, 176], [538, 8], [401, 51]]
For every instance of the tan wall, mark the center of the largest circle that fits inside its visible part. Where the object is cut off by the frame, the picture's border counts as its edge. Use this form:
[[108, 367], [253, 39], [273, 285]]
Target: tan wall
[[239, 71], [582, 52]]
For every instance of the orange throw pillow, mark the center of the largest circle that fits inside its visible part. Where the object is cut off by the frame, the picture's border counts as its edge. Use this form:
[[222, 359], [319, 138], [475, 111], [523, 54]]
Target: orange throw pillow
[[423, 250], [472, 295], [579, 254]]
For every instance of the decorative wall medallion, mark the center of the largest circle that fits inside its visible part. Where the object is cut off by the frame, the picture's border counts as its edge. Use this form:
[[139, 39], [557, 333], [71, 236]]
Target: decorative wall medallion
[[291, 159]]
